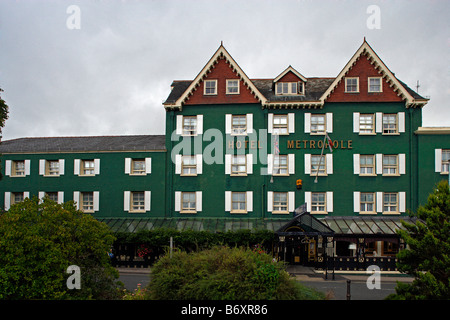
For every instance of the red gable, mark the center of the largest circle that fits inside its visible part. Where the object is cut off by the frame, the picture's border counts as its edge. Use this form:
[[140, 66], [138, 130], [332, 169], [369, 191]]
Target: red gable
[[363, 69], [222, 71]]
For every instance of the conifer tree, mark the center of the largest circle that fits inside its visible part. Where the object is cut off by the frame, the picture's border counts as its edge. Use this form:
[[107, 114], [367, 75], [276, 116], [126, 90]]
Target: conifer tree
[[427, 256]]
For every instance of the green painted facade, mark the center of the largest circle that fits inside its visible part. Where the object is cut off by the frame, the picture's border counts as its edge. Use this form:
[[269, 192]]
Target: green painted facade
[[413, 147]]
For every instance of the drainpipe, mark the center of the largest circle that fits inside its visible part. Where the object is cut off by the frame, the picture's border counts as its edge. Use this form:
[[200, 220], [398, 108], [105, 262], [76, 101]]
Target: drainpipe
[[411, 162]]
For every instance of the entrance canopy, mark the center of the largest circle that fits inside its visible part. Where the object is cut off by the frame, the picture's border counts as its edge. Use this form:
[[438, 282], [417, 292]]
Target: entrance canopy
[[305, 224]]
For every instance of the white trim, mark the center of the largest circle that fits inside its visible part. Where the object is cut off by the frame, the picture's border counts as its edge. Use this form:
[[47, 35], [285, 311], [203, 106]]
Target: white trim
[[228, 120], [291, 201], [307, 163], [178, 201], [42, 167], [127, 165], [76, 199], [356, 123], [329, 163], [249, 160], [402, 201], [329, 201], [96, 196], [270, 123], [270, 201], [126, 200], [8, 168], [291, 122], [61, 167], [402, 163], [356, 201], [7, 200], [228, 201], [249, 201], [147, 200], [199, 124], [96, 167], [308, 197], [60, 197], [227, 87], [227, 163], [379, 122], [198, 201], [249, 118], [199, 163], [27, 167], [329, 122], [401, 122], [379, 201], [307, 122], [437, 160], [148, 165], [178, 159], [379, 163], [270, 164], [356, 164], [179, 127], [291, 163], [76, 167]]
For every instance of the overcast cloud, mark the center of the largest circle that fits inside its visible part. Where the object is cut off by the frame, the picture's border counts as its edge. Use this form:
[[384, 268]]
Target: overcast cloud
[[110, 76]]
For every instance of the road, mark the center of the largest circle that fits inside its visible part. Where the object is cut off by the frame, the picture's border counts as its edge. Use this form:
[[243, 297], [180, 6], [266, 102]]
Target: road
[[335, 289]]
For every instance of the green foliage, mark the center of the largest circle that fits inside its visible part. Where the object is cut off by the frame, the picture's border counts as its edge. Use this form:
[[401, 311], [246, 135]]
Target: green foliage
[[427, 257], [39, 241], [223, 273], [190, 240]]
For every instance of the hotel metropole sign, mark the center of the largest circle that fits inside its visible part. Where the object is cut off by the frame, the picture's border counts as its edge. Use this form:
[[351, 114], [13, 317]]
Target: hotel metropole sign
[[313, 144]]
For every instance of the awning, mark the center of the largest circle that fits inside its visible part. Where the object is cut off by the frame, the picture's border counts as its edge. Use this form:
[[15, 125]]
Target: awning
[[366, 225], [195, 224], [304, 224]]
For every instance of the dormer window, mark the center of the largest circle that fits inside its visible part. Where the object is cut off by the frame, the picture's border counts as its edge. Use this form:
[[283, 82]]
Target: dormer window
[[289, 88]]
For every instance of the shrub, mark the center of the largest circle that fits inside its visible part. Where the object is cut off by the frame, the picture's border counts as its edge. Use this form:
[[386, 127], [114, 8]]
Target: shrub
[[223, 273], [38, 241]]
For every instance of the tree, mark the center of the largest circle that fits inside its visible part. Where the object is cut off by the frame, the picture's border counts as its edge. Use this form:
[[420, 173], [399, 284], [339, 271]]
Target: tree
[[39, 241], [427, 257]]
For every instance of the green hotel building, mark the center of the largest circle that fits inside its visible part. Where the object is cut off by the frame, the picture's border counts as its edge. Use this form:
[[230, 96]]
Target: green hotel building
[[330, 165]]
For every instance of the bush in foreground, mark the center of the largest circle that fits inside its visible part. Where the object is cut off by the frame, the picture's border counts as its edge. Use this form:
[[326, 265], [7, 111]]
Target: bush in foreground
[[223, 273]]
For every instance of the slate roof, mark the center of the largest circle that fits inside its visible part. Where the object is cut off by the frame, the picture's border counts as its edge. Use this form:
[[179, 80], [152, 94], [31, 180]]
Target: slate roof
[[314, 89], [84, 144]]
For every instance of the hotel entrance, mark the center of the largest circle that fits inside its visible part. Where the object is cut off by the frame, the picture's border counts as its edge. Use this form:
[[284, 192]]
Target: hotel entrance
[[304, 241]]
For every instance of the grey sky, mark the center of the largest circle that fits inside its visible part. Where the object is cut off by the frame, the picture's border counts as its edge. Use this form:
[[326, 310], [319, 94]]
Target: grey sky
[[111, 76]]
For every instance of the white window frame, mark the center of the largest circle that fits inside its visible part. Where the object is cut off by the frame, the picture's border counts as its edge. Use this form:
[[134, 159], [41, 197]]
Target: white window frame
[[180, 126], [441, 165], [328, 202], [229, 86], [290, 202], [129, 166], [248, 202], [290, 127], [78, 199], [207, 87], [380, 84], [11, 168], [60, 196], [179, 201], [347, 86], [79, 167], [288, 88]]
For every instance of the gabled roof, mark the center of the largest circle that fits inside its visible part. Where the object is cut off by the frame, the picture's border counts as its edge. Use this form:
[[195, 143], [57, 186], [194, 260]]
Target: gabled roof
[[290, 69], [411, 98], [220, 53]]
